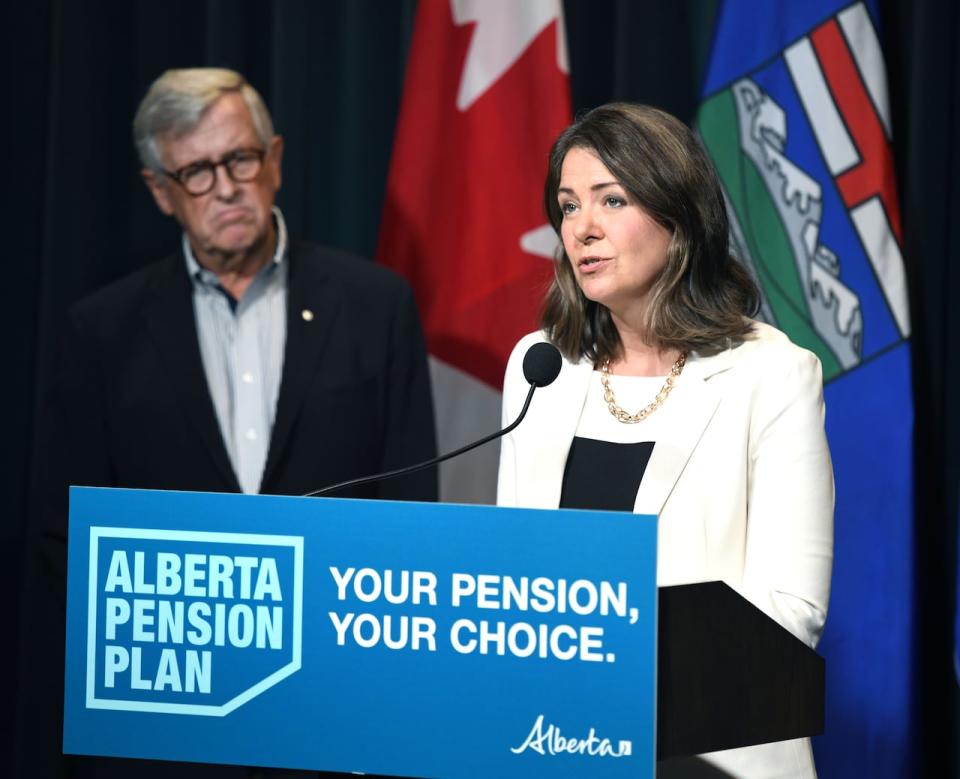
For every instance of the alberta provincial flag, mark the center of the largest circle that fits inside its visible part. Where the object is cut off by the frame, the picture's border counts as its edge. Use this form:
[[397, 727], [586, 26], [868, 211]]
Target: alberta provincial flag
[[796, 119], [485, 95]]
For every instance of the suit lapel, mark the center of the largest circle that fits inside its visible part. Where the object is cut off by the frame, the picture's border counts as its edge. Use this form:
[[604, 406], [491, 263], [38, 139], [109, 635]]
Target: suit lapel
[[171, 323], [560, 406], [312, 306], [691, 405]]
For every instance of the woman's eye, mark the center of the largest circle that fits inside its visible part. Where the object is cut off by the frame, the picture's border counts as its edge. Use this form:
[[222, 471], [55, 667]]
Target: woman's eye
[[568, 208], [615, 201]]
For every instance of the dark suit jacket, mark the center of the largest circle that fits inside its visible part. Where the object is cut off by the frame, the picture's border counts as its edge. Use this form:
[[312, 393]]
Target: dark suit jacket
[[354, 396], [131, 408]]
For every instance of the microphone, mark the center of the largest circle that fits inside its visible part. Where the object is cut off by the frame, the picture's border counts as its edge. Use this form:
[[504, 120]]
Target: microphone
[[541, 365]]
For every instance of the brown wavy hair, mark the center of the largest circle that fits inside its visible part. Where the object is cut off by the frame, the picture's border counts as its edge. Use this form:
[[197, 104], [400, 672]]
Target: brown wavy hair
[[703, 296]]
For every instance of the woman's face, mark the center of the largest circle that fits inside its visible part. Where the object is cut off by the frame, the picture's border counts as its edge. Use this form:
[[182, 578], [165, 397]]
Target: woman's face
[[616, 249]]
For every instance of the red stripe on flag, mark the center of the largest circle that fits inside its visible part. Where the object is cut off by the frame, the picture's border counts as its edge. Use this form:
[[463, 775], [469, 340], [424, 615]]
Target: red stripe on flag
[[465, 186], [875, 174]]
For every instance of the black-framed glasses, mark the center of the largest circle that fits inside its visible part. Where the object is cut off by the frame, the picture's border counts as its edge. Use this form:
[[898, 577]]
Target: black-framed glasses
[[198, 178]]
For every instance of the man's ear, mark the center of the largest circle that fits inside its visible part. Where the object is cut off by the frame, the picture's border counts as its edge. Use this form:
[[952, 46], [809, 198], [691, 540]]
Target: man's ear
[[274, 160], [161, 195]]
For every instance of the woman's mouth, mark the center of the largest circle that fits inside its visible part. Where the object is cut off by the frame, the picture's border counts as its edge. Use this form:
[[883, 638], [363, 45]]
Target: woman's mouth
[[592, 264]]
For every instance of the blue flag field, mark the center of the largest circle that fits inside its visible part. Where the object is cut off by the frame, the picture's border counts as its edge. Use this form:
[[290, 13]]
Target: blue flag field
[[796, 119]]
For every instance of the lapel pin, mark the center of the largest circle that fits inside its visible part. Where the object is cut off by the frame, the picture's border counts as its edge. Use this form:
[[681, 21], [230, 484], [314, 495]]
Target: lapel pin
[[307, 315]]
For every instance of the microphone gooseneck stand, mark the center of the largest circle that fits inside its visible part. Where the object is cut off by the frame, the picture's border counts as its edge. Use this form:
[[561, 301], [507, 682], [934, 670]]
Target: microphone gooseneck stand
[[541, 365]]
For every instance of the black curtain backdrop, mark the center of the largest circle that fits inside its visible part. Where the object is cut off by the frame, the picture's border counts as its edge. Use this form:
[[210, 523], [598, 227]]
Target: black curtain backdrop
[[923, 64], [77, 216]]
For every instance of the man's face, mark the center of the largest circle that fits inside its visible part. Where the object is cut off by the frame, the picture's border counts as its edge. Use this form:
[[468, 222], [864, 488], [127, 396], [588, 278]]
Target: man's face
[[233, 219]]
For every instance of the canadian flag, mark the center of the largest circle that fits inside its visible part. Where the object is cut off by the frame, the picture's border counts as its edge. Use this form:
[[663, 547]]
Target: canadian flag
[[485, 95]]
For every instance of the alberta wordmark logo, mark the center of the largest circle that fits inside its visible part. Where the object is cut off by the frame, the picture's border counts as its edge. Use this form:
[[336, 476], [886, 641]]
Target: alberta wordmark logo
[[186, 622], [548, 740]]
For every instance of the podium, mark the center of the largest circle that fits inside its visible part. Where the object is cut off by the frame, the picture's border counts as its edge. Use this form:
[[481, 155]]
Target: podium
[[407, 639], [729, 676]]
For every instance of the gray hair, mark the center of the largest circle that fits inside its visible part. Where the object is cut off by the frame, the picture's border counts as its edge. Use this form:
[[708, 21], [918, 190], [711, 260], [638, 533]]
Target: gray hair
[[176, 101]]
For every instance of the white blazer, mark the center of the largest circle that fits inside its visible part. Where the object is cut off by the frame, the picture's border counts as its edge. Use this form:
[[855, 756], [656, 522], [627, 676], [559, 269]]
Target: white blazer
[[743, 486]]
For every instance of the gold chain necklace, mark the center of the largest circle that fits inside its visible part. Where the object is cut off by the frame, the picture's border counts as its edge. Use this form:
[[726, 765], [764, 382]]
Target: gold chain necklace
[[632, 419]]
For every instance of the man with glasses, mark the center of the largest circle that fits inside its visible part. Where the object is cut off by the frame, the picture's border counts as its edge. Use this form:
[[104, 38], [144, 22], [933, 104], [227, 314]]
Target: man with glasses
[[247, 361], [244, 362]]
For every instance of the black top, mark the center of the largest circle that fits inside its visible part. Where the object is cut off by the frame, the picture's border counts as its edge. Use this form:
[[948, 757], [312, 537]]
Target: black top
[[602, 475]]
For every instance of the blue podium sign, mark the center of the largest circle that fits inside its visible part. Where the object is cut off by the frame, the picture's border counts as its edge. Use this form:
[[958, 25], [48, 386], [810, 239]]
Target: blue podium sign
[[407, 639]]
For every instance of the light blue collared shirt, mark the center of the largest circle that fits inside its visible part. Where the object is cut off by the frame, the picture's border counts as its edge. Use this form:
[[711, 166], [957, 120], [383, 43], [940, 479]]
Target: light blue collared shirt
[[241, 344]]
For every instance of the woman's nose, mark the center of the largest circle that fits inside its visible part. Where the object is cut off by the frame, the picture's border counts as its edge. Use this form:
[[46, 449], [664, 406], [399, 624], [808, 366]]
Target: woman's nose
[[586, 228]]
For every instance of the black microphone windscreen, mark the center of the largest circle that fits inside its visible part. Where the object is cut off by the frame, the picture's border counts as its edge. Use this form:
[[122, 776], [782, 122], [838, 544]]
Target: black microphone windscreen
[[541, 364]]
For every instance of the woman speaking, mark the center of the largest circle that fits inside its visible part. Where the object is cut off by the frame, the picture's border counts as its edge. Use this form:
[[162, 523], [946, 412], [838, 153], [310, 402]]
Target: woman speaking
[[671, 400]]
